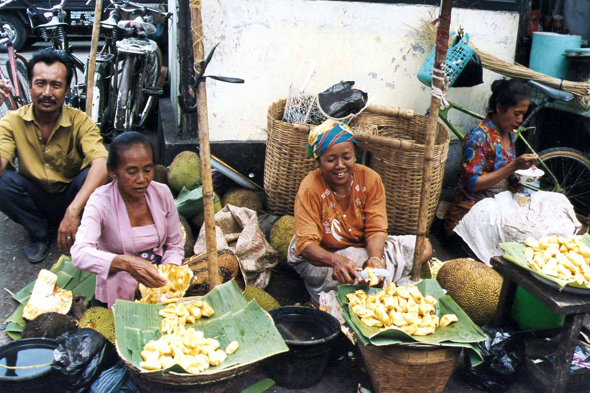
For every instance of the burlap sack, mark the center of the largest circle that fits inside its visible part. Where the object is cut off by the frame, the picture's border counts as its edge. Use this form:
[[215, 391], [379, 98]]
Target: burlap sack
[[237, 230]]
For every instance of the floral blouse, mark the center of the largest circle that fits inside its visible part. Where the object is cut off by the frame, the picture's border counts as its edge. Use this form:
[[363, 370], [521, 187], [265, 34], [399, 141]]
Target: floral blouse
[[482, 154]]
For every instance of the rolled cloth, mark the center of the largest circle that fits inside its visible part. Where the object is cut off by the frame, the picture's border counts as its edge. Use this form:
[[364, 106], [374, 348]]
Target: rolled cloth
[[398, 255], [326, 135]]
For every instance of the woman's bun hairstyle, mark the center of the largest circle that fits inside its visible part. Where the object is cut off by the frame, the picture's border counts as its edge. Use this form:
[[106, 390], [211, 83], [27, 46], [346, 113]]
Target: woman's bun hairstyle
[[507, 93], [124, 142]]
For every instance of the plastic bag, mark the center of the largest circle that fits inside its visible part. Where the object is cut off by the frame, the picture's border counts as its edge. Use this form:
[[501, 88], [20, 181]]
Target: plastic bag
[[472, 74], [80, 357], [503, 355], [341, 100]]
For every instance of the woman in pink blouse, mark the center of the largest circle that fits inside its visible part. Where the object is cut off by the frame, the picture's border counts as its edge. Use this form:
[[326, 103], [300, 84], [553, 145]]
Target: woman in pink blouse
[[128, 225]]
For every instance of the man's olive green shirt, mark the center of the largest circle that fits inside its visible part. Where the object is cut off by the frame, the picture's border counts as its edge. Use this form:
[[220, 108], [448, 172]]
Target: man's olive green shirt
[[73, 144]]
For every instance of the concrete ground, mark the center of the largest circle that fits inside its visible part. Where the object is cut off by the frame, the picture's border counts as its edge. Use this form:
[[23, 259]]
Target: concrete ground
[[345, 369]]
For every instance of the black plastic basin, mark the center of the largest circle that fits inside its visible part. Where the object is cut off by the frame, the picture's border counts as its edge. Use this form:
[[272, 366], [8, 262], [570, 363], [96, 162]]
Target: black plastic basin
[[309, 334], [24, 353]]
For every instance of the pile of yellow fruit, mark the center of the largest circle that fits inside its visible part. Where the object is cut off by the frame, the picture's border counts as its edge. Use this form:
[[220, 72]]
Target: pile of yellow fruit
[[567, 259], [178, 314], [403, 308], [179, 279], [186, 347]]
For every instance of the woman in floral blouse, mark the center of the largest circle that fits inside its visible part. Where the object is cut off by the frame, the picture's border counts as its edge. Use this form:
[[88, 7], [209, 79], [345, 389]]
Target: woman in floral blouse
[[489, 158]]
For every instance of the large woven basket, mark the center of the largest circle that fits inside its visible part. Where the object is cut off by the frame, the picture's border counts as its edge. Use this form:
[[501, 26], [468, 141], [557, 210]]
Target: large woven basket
[[224, 381], [401, 169], [286, 163], [402, 368]]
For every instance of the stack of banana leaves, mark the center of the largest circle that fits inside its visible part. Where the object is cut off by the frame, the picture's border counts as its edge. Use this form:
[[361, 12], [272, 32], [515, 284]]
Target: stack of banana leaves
[[234, 319], [560, 262], [463, 333], [68, 278]]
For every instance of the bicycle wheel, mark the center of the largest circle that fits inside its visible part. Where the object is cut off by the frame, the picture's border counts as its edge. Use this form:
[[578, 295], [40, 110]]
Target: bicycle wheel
[[100, 102], [572, 169], [124, 118], [149, 78], [22, 80]]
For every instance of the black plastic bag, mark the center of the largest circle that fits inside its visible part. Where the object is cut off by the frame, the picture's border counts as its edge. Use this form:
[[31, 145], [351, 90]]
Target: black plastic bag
[[341, 100], [472, 74], [80, 357], [503, 355]]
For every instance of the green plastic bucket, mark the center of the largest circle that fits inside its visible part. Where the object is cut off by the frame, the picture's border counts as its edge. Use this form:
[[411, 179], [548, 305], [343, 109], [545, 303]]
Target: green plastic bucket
[[530, 314]]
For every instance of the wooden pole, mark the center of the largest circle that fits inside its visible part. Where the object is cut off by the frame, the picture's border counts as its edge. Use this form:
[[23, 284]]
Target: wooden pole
[[204, 148], [92, 58], [442, 39]]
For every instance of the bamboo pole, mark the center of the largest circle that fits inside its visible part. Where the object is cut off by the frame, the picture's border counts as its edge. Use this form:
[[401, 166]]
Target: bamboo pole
[[393, 143], [92, 58], [444, 22], [204, 148]]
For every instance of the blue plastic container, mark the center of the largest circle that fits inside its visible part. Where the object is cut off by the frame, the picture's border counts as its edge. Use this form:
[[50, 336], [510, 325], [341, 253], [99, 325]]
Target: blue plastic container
[[548, 53], [457, 58]]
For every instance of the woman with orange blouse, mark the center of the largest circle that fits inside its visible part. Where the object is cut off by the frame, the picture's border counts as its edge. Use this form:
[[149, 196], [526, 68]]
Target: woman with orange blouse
[[341, 220]]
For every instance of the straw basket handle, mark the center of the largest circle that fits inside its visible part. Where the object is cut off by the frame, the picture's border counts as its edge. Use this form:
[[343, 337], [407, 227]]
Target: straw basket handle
[[391, 111], [394, 143]]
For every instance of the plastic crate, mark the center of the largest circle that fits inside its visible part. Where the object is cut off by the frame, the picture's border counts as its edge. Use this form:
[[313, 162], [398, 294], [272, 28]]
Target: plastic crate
[[457, 58]]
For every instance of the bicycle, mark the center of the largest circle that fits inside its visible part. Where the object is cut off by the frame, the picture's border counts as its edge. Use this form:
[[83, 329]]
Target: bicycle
[[16, 69], [129, 75], [567, 170], [54, 30]]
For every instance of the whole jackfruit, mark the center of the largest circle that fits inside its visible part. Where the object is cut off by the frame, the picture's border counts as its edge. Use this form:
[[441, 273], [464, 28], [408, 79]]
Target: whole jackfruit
[[264, 300], [161, 174], [474, 286], [199, 219], [187, 237], [242, 197], [281, 234], [184, 171], [100, 319]]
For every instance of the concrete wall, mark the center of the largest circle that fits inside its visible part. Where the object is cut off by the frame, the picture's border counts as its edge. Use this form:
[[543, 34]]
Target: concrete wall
[[264, 41]]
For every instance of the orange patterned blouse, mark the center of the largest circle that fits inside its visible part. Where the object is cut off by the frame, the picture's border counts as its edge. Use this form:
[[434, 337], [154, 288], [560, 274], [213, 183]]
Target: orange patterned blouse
[[320, 220]]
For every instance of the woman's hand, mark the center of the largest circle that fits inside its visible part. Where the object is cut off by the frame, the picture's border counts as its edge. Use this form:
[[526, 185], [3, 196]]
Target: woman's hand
[[345, 270], [143, 271], [525, 161], [375, 263]]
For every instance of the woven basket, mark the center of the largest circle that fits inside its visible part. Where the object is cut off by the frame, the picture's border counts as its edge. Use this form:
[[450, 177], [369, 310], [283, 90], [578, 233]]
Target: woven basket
[[397, 368], [154, 381], [286, 163], [224, 381], [401, 170]]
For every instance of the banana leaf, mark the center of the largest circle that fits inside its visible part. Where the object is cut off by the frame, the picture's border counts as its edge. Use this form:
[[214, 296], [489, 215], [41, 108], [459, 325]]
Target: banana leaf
[[463, 333], [234, 319], [189, 203], [515, 254], [68, 277]]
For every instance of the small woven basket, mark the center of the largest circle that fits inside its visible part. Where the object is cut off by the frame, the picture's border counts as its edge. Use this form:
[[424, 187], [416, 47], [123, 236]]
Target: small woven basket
[[401, 170], [403, 368], [223, 381], [286, 163]]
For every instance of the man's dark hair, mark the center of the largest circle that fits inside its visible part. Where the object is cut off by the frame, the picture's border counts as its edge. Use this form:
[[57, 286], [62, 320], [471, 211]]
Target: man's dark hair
[[124, 142], [49, 57]]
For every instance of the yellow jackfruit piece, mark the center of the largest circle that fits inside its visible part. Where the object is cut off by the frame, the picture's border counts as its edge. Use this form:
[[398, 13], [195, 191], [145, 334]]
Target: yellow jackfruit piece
[[47, 297]]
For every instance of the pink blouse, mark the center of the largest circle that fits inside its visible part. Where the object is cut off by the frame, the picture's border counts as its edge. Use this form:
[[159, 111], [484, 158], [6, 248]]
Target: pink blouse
[[105, 232]]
